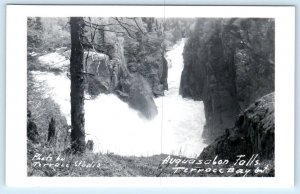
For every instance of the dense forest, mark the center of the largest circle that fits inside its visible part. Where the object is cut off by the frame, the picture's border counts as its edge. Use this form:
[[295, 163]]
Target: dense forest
[[228, 66]]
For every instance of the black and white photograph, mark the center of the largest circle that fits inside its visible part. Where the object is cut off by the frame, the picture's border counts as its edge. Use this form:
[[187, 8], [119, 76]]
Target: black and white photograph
[[147, 96], [159, 96]]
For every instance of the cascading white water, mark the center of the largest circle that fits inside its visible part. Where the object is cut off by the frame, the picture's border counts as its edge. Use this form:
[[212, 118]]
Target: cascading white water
[[183, 119], [114, 127]]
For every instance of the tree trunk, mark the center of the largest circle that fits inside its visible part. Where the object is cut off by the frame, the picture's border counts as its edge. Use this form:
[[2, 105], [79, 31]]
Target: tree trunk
[[77, 85], [51, 130]]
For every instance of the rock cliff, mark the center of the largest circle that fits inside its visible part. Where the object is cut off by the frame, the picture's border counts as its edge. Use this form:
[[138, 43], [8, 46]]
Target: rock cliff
[[228, 63], [146, 57], [112, 75], [253, 133]]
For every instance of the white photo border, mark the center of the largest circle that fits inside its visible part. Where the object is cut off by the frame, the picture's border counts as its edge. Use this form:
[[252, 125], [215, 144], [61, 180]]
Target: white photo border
[[16, 88]]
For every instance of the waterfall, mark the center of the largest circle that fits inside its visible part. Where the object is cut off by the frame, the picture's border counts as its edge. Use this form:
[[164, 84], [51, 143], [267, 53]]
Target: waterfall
[[183, 119], [115, 127]]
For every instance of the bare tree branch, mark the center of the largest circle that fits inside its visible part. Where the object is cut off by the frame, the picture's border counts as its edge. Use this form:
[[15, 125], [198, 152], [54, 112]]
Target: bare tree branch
[[98, 25], [129, 34], [138, 26], [125, 23], [87, 73]]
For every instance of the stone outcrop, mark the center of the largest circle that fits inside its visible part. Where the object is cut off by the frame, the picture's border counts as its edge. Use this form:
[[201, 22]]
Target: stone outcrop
[[146, 57], [228, 63], [99, 73], [105, 75], [139, 96], [253, 133]]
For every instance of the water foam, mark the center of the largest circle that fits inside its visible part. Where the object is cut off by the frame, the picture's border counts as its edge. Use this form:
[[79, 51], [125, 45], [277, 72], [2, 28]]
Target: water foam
[[115, 127]]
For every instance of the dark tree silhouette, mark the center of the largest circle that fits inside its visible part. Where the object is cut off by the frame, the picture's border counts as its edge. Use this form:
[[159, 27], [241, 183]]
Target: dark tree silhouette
[[32, 131], [51, 130], [77, 85]]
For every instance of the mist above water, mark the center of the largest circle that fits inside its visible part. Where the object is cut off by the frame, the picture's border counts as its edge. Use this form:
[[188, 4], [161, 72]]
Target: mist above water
[[115, 127]]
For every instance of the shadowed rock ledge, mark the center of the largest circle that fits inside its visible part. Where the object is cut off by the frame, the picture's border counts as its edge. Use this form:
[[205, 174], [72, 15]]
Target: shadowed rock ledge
[[253, 133]]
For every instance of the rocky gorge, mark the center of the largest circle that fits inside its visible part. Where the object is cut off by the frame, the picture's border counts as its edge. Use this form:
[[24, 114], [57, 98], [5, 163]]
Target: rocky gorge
[[198, 89], [228, 64]]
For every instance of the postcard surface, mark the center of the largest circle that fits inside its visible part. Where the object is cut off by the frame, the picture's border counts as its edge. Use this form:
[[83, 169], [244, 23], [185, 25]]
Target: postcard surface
[[150, 96]]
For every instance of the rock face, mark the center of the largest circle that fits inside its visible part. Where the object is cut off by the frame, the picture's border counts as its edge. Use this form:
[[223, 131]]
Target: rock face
[[146, 57], [105, 75], [228, 63], [99, 79], [140, 95], [253, 133]]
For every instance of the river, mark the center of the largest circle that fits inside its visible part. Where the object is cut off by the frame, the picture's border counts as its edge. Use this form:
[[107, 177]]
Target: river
[[114, 127]]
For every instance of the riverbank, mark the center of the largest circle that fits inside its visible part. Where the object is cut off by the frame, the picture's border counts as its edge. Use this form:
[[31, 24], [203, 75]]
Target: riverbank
[[46, 162]]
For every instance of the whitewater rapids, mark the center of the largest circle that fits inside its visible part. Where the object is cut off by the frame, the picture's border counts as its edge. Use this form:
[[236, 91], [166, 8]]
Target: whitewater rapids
[[115, 127]]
